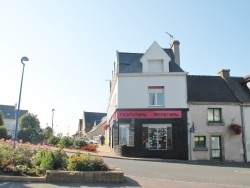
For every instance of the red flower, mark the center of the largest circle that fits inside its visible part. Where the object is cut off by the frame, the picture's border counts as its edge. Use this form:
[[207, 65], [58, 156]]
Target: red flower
[[89, 148], [237, 129]]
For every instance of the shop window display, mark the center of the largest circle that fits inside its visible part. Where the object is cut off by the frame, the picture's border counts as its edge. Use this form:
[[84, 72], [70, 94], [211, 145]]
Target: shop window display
[[126, 134], [157, 137]]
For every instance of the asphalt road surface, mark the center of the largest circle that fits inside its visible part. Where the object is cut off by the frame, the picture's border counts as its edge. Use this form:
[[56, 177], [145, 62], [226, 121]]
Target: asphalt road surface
[[151, 174]]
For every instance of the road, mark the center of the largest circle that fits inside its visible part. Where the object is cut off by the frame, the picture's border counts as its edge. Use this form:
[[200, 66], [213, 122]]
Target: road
[[221, 174], [163, 174]]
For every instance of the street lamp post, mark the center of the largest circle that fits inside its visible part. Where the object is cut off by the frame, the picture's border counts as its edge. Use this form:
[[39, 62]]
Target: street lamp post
[[52, 120], [19, 101], [191, 130]]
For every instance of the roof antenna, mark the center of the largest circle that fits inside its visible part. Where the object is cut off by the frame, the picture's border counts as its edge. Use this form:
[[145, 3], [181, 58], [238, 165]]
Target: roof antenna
[[171, 38]]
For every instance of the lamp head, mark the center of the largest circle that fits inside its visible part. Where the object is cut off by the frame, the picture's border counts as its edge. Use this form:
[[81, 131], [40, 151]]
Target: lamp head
[[24, 59], [53, 110]]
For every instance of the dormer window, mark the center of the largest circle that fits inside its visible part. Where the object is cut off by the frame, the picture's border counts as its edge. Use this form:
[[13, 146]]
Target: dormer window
[[155, 65]]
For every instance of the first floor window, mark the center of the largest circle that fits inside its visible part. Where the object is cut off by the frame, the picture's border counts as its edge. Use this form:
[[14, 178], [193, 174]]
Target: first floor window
[[214, 115], [157, 136], [156, 95], [200, 141]]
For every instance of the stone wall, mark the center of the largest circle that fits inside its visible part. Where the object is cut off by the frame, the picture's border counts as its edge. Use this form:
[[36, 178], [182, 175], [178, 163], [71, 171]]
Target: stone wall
[[116, 175]]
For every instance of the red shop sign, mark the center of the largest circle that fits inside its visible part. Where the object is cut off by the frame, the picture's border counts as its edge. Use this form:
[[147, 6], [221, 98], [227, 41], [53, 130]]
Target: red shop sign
[[160, 114]]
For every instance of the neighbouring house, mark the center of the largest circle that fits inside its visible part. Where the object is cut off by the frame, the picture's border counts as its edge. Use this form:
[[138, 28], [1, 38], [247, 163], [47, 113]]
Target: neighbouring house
[[215, 103], [9, 114], [89, 119], [148, 108], [97, 129]]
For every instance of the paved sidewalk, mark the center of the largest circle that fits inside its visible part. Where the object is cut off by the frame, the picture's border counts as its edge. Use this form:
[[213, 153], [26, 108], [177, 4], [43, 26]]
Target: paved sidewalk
[[102, 151]]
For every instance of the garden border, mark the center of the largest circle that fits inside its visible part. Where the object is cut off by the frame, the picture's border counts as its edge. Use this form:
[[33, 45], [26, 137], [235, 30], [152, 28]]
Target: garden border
[[115, 175]]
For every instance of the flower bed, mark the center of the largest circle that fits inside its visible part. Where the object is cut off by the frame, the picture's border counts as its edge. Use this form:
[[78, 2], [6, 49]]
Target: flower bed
[[91, 147], [35, 160]]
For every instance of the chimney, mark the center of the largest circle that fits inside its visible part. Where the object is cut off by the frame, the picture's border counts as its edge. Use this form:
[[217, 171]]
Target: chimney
[[247, 80], [224, 73], [176, 50]]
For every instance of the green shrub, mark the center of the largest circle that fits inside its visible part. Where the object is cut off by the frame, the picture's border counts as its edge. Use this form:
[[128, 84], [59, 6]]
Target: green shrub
[[47, 161], [86, 162], [53, 140], [44, 159], [23, 168], [66, 142], [50, 160], [3, 132], [32, 172], [60, 160], [79, 143]]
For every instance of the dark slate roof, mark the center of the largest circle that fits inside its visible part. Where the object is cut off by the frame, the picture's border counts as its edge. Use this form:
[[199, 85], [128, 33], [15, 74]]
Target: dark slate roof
[[9, 112], [130, 62], [209, 89], [239, 88], [91, 117]]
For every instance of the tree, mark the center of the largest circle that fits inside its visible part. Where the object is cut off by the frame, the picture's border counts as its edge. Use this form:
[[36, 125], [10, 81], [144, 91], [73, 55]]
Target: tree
[[30, 130], [1, 118], [3, 132], [47, 132], [29, 120]]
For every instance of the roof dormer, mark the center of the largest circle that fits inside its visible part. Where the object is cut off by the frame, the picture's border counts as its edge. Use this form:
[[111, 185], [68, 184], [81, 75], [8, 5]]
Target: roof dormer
[[155, 60]]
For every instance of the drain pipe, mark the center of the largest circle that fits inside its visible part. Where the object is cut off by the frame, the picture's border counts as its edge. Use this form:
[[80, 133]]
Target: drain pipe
[[243, 132]]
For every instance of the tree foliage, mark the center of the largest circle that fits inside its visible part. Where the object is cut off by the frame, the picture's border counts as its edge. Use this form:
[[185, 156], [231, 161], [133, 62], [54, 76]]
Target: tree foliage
[[3, 132], [30, 130], [47, 133], [1, 118], [29, 120]]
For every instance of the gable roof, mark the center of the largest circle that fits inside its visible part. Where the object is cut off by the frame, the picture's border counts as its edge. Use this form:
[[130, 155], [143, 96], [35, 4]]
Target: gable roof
[[103, 120], [130, 62], [239, 88], [9, 112], [216, 89], [91, 117]]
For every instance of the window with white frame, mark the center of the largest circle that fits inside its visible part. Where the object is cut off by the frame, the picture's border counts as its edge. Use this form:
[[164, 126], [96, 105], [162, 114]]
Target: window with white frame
[[155, 65], [156, 95]]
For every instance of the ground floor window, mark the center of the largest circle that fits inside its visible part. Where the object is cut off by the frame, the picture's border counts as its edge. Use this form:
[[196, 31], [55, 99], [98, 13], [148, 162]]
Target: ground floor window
[[200, 141], [157, 136], [126, 134]]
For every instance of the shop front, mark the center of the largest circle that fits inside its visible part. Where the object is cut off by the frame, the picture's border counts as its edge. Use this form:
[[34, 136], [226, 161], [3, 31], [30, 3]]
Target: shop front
[[150, 133]]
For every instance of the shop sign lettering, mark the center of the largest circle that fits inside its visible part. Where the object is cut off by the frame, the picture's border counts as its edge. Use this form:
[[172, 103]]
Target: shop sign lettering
[[166, 114]]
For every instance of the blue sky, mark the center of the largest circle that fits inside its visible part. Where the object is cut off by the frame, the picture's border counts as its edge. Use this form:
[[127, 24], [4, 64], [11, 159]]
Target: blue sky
[[72, 44]]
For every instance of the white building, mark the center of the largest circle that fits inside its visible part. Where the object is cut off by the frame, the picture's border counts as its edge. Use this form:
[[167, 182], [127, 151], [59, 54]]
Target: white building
[[157, 110], [9, 114], [148, 103]]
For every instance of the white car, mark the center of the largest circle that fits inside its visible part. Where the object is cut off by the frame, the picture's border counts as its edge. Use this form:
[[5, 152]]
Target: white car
[[90, 141]]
